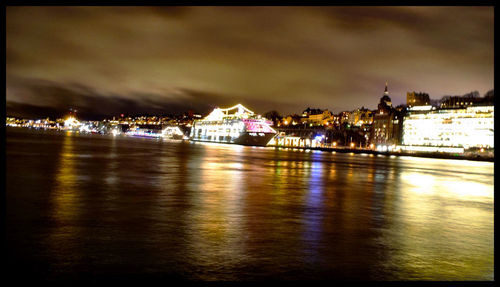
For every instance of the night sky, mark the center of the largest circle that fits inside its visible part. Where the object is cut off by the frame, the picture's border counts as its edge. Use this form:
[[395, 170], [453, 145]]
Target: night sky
[[159, 60]]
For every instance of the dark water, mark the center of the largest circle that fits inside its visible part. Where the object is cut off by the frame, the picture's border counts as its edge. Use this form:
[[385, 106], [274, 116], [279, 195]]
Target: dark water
[[91, 205]]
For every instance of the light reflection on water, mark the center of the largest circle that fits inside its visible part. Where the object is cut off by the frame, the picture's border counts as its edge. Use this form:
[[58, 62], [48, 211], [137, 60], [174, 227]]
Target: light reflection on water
[[98, 205]]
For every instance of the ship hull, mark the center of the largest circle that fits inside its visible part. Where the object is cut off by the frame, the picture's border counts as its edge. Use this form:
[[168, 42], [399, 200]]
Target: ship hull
[[258, 140], [249, 139]]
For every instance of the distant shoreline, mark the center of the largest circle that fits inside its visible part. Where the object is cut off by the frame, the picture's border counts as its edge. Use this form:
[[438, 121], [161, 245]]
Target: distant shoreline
[[365, 151]]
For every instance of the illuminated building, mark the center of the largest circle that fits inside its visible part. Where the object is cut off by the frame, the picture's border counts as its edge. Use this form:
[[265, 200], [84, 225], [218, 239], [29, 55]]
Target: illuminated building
[[470, 127], [361, 117], [344, 117], [283, 140], [240, 127], [386, 128], [417, 99], [317, 116]]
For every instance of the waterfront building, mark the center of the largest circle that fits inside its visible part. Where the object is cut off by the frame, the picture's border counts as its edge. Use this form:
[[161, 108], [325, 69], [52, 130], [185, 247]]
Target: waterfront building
[[470, 127], [283, 140]]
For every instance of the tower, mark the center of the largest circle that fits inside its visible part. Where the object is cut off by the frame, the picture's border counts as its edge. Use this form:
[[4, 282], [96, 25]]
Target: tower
[[385, 100], [383, 128]]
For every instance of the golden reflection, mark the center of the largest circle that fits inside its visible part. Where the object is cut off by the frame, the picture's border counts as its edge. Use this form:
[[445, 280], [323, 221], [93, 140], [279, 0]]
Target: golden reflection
[[65, 190], [333, 172], [111, 176], [168, 167], [418, 182], [370, 174], [350, 171], [466, 189], [423, 183], [444, 226], [65, 203], [217, 222]]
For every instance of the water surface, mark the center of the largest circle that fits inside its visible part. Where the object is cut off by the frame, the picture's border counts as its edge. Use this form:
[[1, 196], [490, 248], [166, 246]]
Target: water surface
[[93, 205]]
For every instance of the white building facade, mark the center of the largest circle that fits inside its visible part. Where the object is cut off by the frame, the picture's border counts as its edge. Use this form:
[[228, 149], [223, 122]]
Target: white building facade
[[470, 127]]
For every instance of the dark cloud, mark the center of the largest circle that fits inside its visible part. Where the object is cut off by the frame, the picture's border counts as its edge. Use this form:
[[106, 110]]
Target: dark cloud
[[39, 98], [24, 110], [170, 11], [283, 58], [365, 18]]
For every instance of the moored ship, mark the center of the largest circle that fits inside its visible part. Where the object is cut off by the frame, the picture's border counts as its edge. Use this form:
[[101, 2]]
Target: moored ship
[[236, 125]]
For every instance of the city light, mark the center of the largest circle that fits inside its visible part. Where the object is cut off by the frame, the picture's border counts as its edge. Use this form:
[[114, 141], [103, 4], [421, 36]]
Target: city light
[[319, 138], [254, 143], [470, 127], [71, 122], [466, 131], [431, 149]]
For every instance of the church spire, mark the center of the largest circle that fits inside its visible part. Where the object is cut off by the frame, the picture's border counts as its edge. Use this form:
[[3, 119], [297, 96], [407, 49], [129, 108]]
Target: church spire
[[386, 92]]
